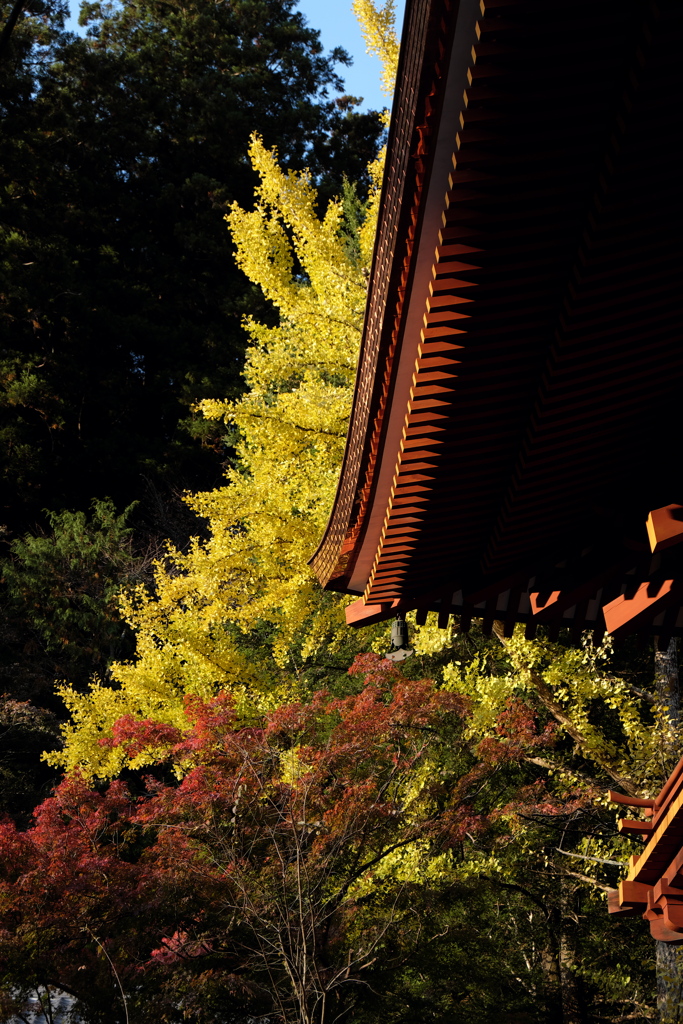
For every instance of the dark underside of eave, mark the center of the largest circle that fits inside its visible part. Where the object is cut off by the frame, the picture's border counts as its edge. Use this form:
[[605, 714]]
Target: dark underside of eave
[[559, 427]]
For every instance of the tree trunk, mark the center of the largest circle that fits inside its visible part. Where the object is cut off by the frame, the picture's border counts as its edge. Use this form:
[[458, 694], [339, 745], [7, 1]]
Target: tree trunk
[[10, 24], [666, 679], [669, 956], [573, 1005], [552, 971], [669, 982]]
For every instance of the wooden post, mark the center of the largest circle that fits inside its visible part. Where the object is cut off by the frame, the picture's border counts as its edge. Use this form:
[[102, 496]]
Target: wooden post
[[669, 955]]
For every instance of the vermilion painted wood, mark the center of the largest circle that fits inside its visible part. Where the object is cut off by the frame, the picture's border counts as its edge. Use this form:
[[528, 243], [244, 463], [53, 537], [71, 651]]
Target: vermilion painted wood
[[521, 374], [625, 613], [654, 884], [665, 527]]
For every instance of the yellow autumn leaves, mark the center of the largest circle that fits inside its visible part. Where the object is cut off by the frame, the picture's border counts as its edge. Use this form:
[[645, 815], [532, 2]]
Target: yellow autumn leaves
[[379, 32], [264, 523], [252, 576]]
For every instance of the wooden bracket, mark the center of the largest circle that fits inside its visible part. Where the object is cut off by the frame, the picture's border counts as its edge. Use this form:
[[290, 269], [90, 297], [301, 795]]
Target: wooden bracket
[[665, 527], [625, 614], [632, 801], [634, 828], [361, 614]]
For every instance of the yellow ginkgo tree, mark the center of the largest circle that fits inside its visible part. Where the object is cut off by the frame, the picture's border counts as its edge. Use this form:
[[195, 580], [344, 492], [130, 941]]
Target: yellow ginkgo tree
[[243, 610], [251, 576], [378, 25]]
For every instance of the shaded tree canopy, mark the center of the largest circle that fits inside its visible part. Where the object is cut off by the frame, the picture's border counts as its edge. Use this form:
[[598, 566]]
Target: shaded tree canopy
[[373, 856], [119, 304]]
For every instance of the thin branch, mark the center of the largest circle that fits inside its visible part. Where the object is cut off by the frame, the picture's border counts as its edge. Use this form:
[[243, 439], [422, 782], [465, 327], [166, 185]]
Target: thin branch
[[584, 878], [649, 698], [596, 860], [116, 973]]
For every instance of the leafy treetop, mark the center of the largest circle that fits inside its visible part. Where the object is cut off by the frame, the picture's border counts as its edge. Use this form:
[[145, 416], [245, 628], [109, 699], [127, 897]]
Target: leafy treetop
[[252, 573]]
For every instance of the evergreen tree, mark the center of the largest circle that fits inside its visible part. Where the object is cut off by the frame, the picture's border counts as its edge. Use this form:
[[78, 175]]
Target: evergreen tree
[[119, 304], [59, 621], [60, 602]]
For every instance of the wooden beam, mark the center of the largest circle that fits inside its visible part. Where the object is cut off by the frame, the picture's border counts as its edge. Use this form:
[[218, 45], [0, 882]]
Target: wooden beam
[[665, 527], [361, 614], [626, 614]]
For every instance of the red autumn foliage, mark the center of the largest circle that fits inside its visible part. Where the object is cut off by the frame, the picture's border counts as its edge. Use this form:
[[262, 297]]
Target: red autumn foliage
[[534, 801], [247, 876], [517, 733], [136, 735]]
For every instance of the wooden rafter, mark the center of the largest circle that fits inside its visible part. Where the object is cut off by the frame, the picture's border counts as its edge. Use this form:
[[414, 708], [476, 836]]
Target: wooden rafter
[[522, 362]]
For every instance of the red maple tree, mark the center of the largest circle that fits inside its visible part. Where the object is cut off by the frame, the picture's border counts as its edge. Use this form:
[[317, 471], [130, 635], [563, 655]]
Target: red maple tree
[[268, 877]]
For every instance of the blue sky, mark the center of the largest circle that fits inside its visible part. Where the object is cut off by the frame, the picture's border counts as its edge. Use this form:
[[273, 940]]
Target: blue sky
[[338, 27]]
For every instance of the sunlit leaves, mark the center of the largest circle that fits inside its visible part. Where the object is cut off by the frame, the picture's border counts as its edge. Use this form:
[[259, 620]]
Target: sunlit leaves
[[265, 522]]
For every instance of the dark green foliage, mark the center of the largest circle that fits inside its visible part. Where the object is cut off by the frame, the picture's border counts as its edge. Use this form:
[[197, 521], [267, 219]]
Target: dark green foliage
[[489, 951], [60, 599], [119, 304], [59, 622], [25, 732], [119, 309]]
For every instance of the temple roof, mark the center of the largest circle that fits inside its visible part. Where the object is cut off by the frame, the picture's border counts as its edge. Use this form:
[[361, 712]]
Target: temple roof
[[516, 411]]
